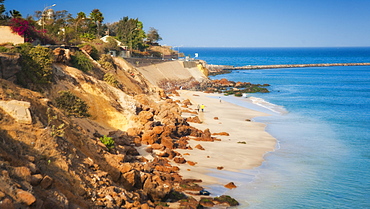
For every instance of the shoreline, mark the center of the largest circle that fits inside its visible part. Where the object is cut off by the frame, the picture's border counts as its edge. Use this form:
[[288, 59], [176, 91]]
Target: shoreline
[[244, 148]]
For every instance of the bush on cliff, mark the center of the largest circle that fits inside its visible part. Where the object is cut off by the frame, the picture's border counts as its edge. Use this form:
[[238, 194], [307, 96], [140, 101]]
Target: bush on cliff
[[107, 141], [72, 104], [36, 65], [111, 80], [81, 62], [106, 61]]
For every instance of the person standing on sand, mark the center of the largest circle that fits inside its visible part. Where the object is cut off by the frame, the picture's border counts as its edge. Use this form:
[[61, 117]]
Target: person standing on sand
[[198, 107], [202, 107]]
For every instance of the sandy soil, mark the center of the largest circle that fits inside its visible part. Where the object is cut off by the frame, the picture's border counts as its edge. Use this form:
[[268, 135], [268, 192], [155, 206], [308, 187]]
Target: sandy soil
[[244, 148]]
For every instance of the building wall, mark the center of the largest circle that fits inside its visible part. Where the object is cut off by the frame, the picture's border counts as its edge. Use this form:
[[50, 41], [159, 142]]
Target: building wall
[[6, 36]]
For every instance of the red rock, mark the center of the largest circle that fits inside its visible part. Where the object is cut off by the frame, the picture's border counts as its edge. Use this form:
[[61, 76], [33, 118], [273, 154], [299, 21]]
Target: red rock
[[191, 163], [167, 142], [220, 168], [222, 134], [23, 172], [131, 179], [206, 133], [145, 116], [149, 137], [230, 185], [179, 160], [186, 102], [158, 130], [46, 182], [6, 203], [194, 119], [25, 197], [36, 179], [199, 147], [156, 146]]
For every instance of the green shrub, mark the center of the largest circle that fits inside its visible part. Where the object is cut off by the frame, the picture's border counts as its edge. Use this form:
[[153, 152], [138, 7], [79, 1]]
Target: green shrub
[[106, 62], [111, 80], [36, 65], [107, 141], [87, 37], [43, 59], [72, 104], [82, 62]]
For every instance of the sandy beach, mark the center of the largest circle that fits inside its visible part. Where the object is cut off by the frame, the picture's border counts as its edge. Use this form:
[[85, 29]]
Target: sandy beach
[[244, 148]]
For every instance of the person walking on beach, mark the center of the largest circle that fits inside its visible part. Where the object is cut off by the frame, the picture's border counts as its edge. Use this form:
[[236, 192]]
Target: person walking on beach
[[198, 107], [202, 107]]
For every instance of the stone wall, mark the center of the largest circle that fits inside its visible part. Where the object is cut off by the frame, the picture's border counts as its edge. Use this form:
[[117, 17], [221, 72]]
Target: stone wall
[[7, 36]]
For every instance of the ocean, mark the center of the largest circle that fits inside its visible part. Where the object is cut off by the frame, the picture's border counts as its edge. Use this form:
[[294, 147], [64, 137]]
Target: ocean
[[321, 119]]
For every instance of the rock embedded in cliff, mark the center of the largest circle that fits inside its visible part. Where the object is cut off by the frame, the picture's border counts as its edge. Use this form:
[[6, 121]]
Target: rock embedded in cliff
[[23, 172], [36, 179], [25, 197], [46, 182]]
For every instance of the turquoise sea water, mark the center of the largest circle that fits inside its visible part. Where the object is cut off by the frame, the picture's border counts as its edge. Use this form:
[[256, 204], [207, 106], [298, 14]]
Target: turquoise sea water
[[322, 159]]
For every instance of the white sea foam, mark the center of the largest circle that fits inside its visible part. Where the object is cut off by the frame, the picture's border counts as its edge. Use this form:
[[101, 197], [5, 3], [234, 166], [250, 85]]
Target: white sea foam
[[267, 105]]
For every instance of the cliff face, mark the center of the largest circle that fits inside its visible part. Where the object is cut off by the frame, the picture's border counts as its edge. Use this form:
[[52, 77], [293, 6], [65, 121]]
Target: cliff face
[[171, 75], [60, 161], [9, 66]]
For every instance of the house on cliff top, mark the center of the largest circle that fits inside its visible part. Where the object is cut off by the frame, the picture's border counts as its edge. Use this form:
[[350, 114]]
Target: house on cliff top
[[7, 36]]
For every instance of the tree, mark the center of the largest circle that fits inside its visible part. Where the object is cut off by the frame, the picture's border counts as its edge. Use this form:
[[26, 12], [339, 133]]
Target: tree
[[15, 14], [2, 9], [153, 36], [27, 29], [3, 17], [130, 32], [81, 16], [97, 18]]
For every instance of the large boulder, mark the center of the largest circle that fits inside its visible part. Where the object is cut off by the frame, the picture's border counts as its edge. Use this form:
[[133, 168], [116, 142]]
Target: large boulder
[[19, 110]]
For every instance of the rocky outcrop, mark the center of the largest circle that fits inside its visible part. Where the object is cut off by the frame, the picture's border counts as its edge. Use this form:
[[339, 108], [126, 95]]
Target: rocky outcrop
[[60, 161]]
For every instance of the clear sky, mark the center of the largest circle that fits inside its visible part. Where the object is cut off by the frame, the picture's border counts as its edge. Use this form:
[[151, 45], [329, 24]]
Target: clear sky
[[232, 23]]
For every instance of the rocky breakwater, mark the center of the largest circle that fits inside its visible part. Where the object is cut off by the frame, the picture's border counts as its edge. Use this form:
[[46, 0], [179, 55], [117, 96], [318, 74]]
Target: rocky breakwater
[[236, 88]]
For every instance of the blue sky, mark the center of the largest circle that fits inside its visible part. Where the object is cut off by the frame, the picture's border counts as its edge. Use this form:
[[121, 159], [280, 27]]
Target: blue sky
[[233, 23]]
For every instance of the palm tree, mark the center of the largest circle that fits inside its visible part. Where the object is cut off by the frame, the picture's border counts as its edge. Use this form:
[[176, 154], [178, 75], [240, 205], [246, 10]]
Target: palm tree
[[15, 14]]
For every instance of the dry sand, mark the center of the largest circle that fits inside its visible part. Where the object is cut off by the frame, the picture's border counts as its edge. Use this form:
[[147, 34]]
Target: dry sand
[[254, 141]]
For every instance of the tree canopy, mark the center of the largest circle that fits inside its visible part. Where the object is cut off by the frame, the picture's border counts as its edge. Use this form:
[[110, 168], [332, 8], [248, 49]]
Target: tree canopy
[[62, 28], [153, 35]]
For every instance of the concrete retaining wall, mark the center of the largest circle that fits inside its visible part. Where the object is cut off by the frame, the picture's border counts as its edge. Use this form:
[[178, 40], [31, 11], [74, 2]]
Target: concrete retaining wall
[[7, 36]]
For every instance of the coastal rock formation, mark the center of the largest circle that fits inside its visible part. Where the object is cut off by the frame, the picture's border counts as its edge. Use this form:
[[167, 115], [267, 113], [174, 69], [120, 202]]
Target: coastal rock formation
[[55, 160]]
